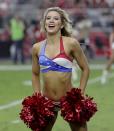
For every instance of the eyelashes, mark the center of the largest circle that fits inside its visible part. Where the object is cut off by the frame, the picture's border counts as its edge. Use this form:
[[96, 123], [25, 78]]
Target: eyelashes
[[55, 18]]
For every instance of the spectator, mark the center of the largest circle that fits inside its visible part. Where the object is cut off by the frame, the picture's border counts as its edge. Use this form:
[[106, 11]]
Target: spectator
[[17, 32]]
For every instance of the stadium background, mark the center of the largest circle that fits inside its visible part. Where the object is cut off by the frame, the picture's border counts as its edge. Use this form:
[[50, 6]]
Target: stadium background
[[92, 22]]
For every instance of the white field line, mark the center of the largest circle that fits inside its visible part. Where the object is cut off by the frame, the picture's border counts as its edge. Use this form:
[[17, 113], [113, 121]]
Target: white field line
[[29, 67], [17, 102], [15, 121], [15, 67], [92, 81], [14, 103]]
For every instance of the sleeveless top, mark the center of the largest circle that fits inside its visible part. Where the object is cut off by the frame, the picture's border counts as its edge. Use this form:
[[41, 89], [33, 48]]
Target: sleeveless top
[[60, 63]]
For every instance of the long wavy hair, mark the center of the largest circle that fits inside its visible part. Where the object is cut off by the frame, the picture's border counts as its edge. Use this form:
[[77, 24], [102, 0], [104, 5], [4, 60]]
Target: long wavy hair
[[67, 24]]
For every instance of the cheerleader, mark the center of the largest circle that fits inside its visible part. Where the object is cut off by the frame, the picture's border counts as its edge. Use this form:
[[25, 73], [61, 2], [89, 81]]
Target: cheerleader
[[108, 66]]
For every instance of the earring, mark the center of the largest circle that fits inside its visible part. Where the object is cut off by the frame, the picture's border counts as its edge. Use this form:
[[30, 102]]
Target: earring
[[61, 27]]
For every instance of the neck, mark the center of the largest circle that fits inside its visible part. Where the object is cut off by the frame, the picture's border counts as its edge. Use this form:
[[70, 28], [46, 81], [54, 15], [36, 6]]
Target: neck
[[53, 39]]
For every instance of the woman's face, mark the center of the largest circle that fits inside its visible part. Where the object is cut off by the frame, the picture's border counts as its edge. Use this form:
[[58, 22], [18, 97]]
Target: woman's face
[[53, 22]]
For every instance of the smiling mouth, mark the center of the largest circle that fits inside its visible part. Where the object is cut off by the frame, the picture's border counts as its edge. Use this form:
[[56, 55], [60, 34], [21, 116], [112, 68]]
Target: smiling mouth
[[50, 26]]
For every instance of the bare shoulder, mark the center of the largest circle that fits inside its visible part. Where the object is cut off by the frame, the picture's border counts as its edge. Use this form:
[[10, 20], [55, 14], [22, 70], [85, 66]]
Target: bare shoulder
[[72, 42], [36, 47]]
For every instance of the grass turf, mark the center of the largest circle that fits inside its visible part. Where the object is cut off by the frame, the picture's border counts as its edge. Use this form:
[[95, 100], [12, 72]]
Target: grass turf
[[12, 88]]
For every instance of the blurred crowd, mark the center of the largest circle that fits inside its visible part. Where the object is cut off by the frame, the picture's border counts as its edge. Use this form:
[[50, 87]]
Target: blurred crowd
[[20, 25]]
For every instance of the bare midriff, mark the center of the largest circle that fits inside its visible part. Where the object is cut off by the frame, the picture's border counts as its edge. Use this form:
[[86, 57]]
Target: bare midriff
[[56, 84]]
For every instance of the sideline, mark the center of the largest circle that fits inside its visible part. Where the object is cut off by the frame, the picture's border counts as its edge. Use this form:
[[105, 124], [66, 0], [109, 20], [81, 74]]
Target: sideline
[[15, 67], [17, 102], [29, 67]]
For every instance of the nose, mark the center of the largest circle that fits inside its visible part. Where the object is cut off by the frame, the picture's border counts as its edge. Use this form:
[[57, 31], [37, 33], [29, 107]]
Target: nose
[[52, 19]]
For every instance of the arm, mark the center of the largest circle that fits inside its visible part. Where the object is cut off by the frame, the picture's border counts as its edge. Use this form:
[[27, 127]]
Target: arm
[[79, 56], [35, 69], [111, 39]]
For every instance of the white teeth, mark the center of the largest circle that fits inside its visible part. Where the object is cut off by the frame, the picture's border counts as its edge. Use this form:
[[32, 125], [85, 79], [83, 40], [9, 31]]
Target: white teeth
[[51, 26]]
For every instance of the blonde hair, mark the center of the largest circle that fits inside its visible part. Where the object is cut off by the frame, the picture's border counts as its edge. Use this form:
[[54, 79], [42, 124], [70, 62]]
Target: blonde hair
[[67, 24]]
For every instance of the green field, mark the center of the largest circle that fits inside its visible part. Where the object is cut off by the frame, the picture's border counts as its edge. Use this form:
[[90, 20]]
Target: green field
[[13, 88]]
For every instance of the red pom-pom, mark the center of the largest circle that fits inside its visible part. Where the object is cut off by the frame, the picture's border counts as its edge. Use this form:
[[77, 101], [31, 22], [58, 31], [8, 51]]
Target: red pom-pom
[[37, 111], [77, 108]]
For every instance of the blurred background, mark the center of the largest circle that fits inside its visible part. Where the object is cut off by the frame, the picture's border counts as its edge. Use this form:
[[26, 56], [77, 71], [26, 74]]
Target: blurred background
[[92, 22]]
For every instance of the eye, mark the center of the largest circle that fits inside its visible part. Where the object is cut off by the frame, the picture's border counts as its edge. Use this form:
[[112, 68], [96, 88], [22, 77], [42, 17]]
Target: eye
[[47, 18], [56, 18]]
